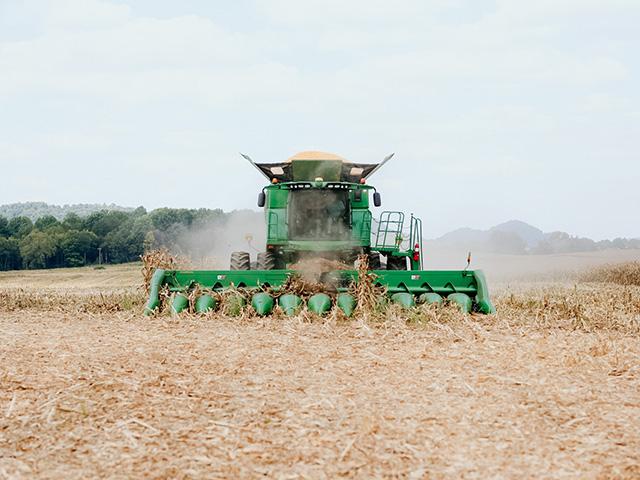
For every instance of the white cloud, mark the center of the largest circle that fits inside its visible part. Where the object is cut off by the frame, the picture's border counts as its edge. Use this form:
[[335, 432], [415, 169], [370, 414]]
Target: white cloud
[[495, 96], [84, 15]]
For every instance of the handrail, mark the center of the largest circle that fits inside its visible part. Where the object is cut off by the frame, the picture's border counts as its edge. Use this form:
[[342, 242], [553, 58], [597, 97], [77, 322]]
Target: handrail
[[416, 235], [391, 222]]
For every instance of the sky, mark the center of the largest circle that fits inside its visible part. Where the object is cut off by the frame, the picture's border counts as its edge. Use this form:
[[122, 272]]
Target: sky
[[496, 110]]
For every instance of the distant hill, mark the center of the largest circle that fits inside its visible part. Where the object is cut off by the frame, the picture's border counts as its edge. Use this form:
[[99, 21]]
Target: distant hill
[[35, 210], [531, 235], [463, 236], [518, 237]]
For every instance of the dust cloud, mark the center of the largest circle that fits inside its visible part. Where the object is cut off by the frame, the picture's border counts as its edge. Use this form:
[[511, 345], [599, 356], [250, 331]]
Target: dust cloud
[[210, 245], [511, 267]]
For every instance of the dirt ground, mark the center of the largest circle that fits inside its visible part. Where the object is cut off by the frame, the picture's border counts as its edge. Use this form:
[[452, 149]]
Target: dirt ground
[[547, 388]]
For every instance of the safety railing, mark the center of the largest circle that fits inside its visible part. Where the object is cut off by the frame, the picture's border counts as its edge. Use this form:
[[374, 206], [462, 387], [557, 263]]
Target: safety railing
[[389, 233], [415, 236]]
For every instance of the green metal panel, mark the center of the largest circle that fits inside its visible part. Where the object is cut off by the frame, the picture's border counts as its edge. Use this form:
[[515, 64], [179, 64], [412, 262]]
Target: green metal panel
[[180, 303], [347, 303], [431, 298], [442, 282], [364, 198], [290, 304], [262, 303], [224, 279], [323, 245], [404, 299], [276, 226], [205, 303], [276, 215], [361, 227], [276, 197], [463, 301], [319, 303]]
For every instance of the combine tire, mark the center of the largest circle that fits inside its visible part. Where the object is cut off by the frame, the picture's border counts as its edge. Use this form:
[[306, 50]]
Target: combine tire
[[374, 261], [240, 261], [266, 261], [396, 263]]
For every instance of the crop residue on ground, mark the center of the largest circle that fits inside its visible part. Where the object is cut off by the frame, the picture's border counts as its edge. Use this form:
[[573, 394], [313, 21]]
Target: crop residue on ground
[[549, 386]]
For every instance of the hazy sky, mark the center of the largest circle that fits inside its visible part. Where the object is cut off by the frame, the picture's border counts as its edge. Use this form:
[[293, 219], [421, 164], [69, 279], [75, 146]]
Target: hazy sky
[[496, 109]]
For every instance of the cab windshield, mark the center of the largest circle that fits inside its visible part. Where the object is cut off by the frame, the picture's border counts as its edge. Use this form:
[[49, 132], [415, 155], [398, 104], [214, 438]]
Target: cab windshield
[[317, 214]]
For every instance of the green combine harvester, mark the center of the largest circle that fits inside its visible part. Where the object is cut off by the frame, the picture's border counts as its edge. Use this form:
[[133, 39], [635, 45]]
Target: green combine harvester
[[317, 206]]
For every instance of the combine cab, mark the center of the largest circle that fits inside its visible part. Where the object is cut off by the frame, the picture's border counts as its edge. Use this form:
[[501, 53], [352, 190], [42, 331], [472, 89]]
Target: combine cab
[[317, 206]]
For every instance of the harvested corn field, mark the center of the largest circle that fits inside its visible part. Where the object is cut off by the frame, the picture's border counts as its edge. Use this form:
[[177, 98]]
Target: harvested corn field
[[547, 387]]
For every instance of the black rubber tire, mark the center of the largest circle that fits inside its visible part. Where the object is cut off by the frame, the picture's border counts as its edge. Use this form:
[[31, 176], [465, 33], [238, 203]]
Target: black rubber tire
[[266, 261], [396, 263], [240, 261], [374, 261]]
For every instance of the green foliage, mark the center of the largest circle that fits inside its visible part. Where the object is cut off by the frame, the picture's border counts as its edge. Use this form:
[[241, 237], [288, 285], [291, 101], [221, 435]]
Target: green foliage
[[140, 211], [46, 222], [103, 222], [122, 236], [20, 227], [164, 218], [73, 221], [10, 258], [79, 247], [38, 249], [4, 227], [127, 243]]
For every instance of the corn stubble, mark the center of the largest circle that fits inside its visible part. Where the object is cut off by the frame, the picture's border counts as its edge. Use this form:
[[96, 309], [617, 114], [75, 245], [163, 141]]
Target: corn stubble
[[627, 273], [546, 387], [578, 306]]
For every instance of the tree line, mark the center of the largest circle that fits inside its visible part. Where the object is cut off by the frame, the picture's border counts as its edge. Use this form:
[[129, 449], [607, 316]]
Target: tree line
[[35, 210], [105, 236]]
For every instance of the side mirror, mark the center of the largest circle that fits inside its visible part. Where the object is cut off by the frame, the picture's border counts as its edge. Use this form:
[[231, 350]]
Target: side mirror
[[262, 199], [377, 200]]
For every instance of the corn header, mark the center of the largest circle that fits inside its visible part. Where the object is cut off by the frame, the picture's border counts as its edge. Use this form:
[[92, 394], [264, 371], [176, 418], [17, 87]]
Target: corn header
[[318, 206]]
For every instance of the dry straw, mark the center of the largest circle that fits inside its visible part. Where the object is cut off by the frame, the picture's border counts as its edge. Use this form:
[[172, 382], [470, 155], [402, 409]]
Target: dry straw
[[161, 258], [627, 273], [368, 295], [113, 395], [548, 387]]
